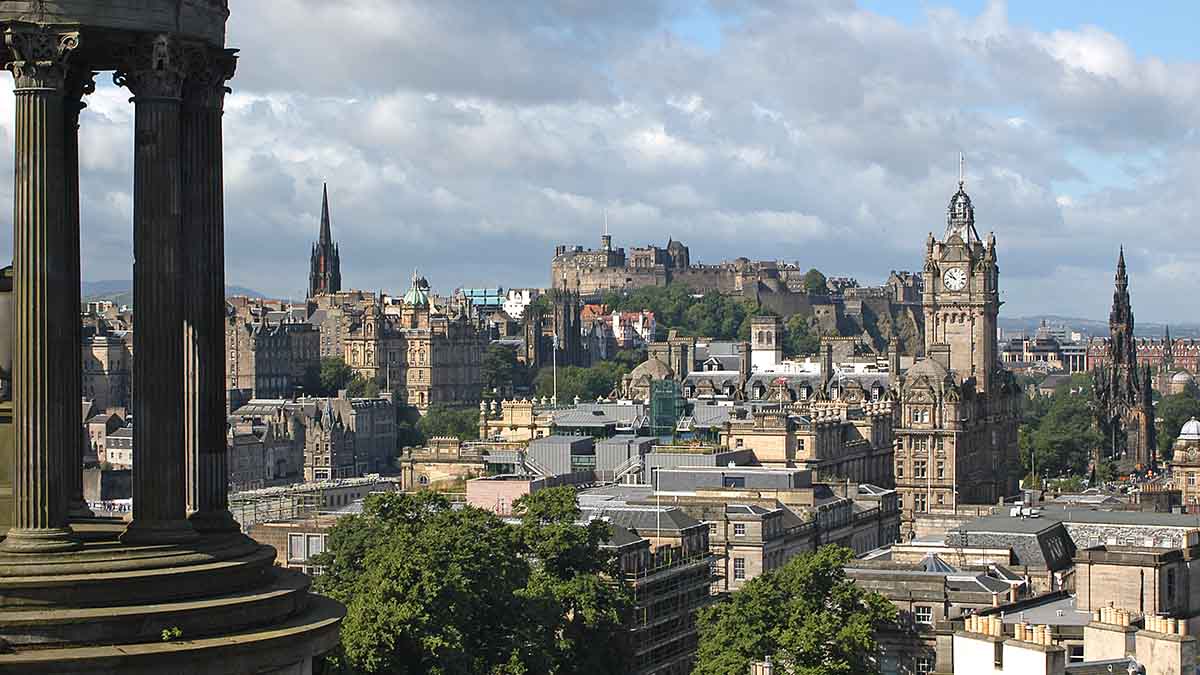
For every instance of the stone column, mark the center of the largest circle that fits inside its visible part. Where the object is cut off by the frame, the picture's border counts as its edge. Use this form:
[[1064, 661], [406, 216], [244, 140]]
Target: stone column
[[43, 308], [203, 257], [154, 73], [79, 81]]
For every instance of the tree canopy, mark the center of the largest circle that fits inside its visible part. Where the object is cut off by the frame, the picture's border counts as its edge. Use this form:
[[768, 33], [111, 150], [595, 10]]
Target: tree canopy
[[440, 590], [442, 420], [331, 376], [500, 368], [815, 282], [587, 383], [1059, 431], [806, 614], [1174, 410], [677, 307]]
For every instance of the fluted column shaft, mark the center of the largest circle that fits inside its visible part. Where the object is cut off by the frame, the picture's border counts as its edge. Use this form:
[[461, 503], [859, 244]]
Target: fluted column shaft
[[154, 75], [78, 83], [203, 253], [43, 310]]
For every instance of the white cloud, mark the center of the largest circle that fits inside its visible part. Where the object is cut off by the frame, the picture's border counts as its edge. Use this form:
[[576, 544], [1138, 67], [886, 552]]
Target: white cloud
[[470, 137]]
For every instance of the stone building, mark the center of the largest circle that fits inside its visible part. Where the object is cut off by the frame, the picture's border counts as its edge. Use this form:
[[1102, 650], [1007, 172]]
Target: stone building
[[268, 358], [959, 409], [1174, 362], [328, 445], [1123, 388], [427, 356], [178, 562], [773, 285], [325, 265], [1185, 464], [107, 369]]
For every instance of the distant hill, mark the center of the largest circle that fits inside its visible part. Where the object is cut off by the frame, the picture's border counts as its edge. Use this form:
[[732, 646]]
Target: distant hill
[[1091, 327], [121, 291]]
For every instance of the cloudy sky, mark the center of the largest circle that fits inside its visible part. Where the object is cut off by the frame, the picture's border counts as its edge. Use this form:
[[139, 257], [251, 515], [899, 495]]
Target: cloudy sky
[[468, 138]]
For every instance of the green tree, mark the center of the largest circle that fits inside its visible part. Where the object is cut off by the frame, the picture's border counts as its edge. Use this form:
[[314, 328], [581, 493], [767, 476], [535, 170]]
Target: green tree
[[427, 588], [1066, 434], [1174, 410], [581, 611], [499, 368], [431, 589], [806, 615], [362, 387], [799, 337], [334, 376], [815, 282], [676, 307], [441, 420], [587, 383]]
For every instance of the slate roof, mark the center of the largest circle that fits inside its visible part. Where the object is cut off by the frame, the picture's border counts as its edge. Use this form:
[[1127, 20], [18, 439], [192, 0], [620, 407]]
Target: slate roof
[[1056, 611], [621, 536], [643, 519]]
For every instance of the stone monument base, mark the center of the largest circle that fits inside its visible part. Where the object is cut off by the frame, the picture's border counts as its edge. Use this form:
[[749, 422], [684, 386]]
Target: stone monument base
[[216, 604]]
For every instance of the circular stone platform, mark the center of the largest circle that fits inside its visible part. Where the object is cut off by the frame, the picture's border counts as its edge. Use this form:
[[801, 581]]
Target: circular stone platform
[[223, 603]]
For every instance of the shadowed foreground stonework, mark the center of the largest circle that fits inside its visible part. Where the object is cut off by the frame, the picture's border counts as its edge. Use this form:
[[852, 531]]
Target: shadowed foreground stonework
[[178, 588]]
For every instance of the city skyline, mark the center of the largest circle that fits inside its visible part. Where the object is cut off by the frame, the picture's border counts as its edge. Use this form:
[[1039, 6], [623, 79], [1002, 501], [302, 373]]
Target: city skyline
[[695, 124]]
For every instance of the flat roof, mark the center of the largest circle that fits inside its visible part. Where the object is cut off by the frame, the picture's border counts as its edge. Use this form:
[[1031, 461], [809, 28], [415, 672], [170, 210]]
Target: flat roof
[[1049, 517]]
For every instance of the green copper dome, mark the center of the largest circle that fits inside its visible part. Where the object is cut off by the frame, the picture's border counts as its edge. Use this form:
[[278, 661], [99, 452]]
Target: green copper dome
[[418, 294]]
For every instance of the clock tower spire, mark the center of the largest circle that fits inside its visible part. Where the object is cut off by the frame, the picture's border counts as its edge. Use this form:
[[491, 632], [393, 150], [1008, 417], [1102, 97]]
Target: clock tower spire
[[961, 297]]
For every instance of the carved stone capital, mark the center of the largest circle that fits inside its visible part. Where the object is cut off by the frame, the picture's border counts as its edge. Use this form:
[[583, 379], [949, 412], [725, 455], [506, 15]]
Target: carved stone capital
[[207, 71], [80, 81], [39, 55], [153, 68]]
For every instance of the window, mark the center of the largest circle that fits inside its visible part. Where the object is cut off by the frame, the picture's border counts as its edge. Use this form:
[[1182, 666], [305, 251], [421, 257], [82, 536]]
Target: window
[[316, 544], [919, 468], [899, 470], [1075, 654], [295, 547], [920, 502], [739, 529], [734, 481], [739, 568], [924, 665], [923, 614], [941, 499], [941, 470], [712, 528], [739, 443]]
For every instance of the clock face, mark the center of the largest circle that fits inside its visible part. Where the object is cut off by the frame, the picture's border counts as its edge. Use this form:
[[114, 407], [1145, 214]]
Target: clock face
[[955, 279]]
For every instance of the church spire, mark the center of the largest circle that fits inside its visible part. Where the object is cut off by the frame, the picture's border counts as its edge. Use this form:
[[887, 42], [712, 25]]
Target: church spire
[[326, 237], [325, 267]]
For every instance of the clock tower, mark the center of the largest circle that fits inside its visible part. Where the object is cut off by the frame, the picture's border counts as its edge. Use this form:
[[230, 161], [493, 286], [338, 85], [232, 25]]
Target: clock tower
[[961, 297]]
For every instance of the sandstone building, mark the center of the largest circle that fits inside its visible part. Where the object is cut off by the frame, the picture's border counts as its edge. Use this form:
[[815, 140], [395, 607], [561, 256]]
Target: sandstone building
[[959, 409], [266, 356], [426, 355]]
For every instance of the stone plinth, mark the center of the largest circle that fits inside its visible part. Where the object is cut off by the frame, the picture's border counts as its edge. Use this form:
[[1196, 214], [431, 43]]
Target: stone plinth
[[234, 611]]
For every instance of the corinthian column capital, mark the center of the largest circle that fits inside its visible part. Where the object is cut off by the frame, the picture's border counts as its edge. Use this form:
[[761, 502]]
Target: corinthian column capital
[[207, 71], [153, 68], [80, 81], [39, 55]]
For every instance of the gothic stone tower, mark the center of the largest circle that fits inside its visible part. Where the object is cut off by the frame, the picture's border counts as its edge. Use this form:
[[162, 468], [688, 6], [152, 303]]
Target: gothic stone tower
[[961, 296], [325, 269], [1124, 398]]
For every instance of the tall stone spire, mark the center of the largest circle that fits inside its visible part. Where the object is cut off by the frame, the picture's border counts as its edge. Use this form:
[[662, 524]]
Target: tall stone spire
[[326, 238], [1120, 319], [325, 270]]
